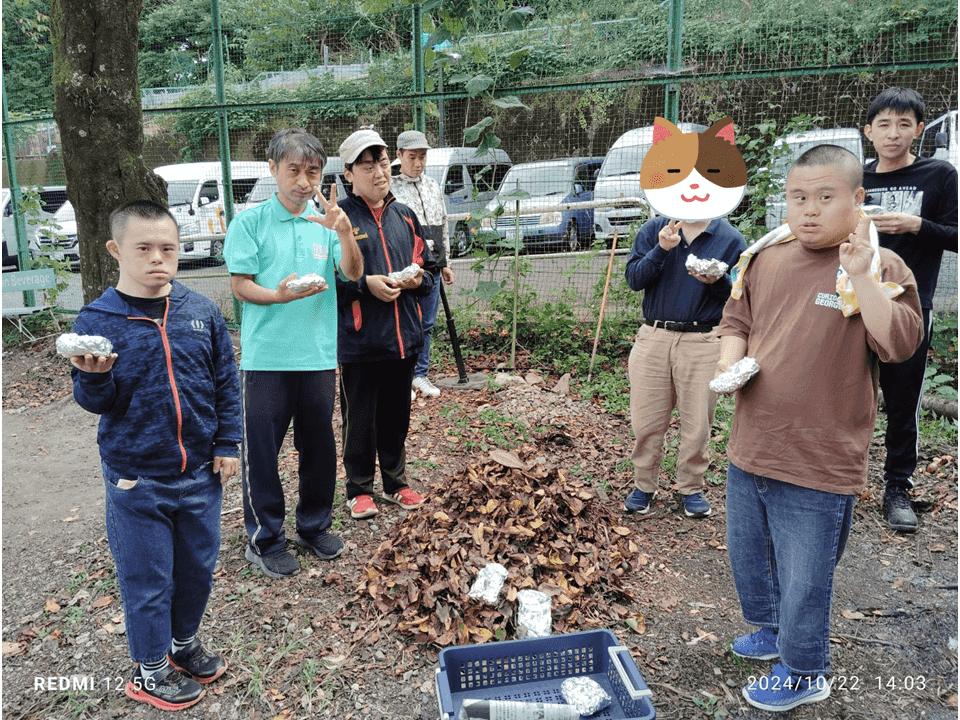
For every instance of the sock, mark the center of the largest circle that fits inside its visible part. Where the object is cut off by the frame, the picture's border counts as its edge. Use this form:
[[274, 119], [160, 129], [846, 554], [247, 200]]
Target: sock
[[179, 645], [148, 669]]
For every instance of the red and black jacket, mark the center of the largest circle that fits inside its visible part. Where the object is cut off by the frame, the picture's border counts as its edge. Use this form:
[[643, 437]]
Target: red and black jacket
[[370, 329]]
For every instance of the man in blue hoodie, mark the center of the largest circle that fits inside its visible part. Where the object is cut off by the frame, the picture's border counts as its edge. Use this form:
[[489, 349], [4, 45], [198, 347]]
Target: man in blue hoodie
[[169, 404]]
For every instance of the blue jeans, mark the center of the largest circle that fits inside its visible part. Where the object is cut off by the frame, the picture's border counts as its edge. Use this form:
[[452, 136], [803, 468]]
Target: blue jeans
[[785, 542], [429, 305], [164, 533]]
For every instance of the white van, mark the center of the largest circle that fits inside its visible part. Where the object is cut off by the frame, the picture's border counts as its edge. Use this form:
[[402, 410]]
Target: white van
[[940, 139], [468, 182], [620, 178], [195, 196], [797, 144]]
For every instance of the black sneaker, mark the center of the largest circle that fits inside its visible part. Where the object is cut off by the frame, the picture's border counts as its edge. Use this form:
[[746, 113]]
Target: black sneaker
[[167, 689], [325, 546], [280, 564], [900, 515], [197, 662]]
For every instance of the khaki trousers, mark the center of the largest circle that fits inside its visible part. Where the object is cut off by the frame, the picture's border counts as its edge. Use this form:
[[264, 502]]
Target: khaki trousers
[[672, 369]]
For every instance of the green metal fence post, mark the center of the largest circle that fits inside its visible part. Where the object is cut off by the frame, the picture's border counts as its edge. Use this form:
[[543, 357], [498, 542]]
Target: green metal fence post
[[419, 84], [223, 128], [671, 98], [16, 202]]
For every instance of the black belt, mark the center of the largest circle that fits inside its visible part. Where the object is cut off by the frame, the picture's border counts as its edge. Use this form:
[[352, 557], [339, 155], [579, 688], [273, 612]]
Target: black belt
[[680, 326]]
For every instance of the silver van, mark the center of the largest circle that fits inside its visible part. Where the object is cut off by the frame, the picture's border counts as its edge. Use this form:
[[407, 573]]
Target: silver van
[[196, 197], [468, 182]]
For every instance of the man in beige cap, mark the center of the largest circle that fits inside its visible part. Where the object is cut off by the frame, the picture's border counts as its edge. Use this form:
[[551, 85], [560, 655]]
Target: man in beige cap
[[380, 332], [422, 194]]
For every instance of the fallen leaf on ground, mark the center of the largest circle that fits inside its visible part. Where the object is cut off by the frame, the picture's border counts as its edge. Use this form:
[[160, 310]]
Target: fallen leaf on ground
[[853, 615], [52, 606]]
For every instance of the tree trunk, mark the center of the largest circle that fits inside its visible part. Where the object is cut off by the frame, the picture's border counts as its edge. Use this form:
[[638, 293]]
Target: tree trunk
[[98, 111]]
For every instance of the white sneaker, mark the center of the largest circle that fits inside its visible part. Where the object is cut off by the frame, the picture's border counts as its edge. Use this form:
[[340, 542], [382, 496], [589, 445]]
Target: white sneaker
[[425, 386], [413, 396]]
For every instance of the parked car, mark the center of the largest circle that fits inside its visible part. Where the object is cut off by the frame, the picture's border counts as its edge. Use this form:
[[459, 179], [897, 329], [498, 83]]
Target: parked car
[[51, 199], [548, 183], [620, 178], [468, 182], [61, 243], [940, 139], [797, 144], [195, 195]]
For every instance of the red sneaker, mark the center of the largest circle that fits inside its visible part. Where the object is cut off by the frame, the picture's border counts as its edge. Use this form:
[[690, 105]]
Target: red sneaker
[[362, 506], [405, 498]]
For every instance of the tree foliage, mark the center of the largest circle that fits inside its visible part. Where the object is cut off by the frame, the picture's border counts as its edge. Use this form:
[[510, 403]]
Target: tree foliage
[[27, 61]]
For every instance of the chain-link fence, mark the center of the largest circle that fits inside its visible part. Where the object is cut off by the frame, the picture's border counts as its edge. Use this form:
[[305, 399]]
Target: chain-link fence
[[571, 89]]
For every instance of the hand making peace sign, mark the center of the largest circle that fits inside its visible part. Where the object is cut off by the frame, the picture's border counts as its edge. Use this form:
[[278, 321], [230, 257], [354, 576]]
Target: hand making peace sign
[[333, 215]]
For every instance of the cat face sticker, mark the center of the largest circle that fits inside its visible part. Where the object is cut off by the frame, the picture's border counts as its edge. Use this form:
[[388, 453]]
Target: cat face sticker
[[693, 176]]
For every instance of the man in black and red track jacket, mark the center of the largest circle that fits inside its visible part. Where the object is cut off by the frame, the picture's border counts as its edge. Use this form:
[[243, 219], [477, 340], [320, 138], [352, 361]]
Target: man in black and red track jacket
[[380, 329]]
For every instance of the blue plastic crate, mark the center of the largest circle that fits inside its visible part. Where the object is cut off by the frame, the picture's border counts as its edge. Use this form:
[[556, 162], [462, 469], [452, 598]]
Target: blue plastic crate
[[532, 671]]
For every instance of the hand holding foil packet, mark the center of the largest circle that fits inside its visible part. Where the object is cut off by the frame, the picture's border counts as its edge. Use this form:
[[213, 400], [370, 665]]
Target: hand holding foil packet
[[408, 273], [310, 280], [712, 267], [736, 377], [71, 344]]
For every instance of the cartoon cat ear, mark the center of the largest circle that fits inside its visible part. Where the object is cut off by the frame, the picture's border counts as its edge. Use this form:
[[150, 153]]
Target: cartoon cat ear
[[722, 129], [662, 129]]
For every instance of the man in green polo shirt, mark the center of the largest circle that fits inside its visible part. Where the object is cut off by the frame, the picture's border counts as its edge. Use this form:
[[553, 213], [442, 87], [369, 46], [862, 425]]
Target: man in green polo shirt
[[288, 341]]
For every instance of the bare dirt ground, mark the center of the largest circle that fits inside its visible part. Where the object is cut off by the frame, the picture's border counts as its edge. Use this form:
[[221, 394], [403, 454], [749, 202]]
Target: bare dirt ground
[[312, 647]]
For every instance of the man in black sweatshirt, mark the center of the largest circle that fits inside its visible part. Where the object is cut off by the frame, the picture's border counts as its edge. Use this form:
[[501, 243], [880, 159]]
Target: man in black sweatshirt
[[919, 199]]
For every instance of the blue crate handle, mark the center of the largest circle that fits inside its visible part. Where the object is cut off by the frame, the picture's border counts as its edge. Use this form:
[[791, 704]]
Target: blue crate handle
[[443, 694], [628, 672]]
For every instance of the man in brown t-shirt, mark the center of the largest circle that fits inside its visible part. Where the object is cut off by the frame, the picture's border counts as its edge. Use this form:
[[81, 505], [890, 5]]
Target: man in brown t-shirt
[[801, 431]]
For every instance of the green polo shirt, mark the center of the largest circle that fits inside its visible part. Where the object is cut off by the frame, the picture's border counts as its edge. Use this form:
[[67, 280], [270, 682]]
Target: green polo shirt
[[268, 242]]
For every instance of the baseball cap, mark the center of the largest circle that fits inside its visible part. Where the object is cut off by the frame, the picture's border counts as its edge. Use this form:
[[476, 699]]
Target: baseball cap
[[412, 140], [359, 141]]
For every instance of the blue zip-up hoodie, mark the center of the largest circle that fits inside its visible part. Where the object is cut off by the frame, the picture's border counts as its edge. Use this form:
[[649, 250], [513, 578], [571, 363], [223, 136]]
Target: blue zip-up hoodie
[[171, 402]]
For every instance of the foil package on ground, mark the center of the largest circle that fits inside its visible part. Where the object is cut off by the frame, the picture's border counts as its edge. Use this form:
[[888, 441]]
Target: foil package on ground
[[736, 377], [512, 710], [408, 273], [488, 583], [712, 267], [585, 694], [534, 613], [310, 280], [70, 344]]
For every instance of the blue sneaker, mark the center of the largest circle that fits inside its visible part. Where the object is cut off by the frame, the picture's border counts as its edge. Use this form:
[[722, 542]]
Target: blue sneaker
[[696, 506], [781, 690], [759, 645], [638, 502]]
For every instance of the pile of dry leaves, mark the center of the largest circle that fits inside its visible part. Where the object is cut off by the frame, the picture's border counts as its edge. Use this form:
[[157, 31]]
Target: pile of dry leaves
[[552, 533]]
